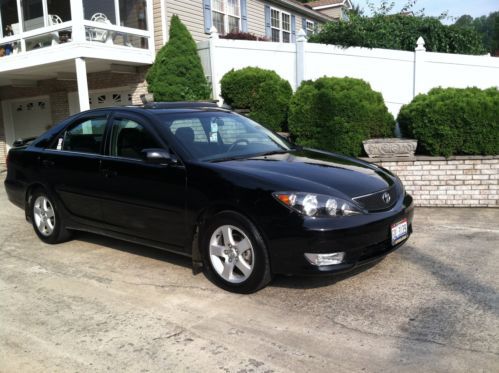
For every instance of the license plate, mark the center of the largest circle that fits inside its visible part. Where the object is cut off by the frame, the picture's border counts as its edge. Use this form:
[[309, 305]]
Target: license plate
[[399, 232]]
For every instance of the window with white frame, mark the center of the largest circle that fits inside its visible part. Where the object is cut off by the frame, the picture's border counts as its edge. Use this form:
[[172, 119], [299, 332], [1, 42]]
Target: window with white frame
[[310, 27], [280, 26], [226, 15]]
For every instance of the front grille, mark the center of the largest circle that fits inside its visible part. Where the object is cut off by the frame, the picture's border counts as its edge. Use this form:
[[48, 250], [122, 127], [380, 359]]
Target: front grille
[[376, 201]]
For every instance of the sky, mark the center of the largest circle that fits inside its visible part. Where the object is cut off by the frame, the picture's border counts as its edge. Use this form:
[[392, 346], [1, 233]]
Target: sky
[[455, 8]]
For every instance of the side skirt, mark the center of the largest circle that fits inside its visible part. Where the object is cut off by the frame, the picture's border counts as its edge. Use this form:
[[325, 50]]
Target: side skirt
[[132, 239]]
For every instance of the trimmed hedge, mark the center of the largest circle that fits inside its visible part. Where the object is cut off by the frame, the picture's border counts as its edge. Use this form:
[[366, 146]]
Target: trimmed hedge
[[177, 74], [453, 121], [337, 114], [263, 92], [239, 35]]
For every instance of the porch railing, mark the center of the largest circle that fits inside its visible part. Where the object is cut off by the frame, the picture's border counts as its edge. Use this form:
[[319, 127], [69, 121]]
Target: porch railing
[[94, 32]]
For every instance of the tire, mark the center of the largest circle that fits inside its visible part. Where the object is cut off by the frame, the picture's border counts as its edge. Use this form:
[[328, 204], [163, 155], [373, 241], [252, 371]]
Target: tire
[[46, 218], [235, 257]]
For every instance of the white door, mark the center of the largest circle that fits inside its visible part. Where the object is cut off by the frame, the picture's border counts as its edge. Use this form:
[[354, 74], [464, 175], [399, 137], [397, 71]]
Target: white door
[[31, 117], [102, 98]]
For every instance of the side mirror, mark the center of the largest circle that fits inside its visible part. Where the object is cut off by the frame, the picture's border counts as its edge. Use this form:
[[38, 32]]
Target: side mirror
[[158, 156]]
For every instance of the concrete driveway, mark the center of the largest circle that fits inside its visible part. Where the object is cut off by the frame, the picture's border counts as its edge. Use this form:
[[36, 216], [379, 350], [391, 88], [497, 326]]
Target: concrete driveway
[[97, 304]]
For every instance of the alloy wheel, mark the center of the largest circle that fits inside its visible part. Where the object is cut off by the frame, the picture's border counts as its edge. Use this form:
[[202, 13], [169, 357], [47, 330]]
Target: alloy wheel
[[231, 254], [43, 213]]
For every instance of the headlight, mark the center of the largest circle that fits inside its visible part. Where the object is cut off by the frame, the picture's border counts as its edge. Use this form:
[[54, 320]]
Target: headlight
[[317, 205]]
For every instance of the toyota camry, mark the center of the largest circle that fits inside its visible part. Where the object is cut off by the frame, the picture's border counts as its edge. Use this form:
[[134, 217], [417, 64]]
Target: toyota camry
[[241, 201]]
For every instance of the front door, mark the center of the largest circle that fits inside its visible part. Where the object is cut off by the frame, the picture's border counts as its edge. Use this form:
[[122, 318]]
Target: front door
[[143, 199]]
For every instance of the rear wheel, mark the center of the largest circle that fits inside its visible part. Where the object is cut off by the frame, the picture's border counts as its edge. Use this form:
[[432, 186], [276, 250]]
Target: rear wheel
[[46, 219], [235, 256]]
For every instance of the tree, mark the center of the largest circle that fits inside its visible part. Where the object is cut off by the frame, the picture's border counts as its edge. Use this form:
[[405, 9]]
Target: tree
[[486, 26], [464, 21], [495, 39], [356, 10], [177, 74]]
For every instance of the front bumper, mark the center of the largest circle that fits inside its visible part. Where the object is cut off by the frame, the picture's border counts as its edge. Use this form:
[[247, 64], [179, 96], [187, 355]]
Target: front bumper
[[363, 238]]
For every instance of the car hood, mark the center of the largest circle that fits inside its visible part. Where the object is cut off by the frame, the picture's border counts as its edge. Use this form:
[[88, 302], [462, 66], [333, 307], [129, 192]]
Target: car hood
[[299, 169]]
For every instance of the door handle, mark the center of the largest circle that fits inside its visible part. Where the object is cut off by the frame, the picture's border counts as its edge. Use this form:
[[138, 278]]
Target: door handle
[[48, 163], [108, 172]]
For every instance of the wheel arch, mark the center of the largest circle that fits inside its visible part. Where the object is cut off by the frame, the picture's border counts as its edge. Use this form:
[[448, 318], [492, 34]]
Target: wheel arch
[[203, 216], [27, 198]]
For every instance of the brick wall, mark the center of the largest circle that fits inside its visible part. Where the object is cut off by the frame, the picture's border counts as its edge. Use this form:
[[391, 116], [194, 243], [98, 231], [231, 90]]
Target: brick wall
[[464, 181], [3, 147], [3, 150], [98, 80]]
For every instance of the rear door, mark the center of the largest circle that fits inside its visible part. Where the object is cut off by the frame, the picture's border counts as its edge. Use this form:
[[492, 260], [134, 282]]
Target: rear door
[[72, 165], [142, 199]]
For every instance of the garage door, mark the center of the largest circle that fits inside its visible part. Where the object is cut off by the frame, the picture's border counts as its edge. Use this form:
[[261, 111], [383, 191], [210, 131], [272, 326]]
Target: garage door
[[100, 99], [31, 117]]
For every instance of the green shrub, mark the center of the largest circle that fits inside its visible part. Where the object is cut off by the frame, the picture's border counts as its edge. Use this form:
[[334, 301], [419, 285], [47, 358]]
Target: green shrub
[[453, 121], [263, 92], [400, 32], [177, 74], [337, 114]]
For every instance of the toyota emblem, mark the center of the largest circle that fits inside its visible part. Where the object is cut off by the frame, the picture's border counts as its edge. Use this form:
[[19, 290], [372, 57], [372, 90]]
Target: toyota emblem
[[386, 197]]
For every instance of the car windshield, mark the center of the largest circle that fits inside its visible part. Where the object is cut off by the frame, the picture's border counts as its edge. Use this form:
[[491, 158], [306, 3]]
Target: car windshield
[[217, 136]]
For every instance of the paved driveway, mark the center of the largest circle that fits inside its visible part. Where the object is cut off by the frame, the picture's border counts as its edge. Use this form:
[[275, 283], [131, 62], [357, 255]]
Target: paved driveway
[[97, 304]]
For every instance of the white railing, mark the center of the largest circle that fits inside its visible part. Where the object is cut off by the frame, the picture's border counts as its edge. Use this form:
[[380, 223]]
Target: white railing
[[62, 33], [120, 35]]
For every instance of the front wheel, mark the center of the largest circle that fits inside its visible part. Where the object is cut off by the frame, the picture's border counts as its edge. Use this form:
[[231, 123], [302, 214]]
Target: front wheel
[[235, 256], [46, 219]]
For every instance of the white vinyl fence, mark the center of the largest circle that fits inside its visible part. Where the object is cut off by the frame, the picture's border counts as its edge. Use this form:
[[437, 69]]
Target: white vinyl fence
[[398, 75]]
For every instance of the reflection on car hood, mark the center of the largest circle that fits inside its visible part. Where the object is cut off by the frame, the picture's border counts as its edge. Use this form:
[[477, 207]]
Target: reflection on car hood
[[347, 175]]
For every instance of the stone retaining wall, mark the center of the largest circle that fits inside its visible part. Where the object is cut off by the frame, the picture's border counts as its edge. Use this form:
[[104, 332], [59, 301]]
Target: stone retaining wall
[[461, 181]]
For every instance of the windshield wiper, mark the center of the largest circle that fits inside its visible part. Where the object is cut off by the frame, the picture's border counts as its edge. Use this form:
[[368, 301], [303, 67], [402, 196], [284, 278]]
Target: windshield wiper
[[248, 156], [282, 151], [231, 158]]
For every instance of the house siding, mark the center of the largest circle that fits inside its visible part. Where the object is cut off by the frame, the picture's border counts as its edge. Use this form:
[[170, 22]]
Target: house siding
[[256, 17], [336, 12], [190, 13], [157, 24]]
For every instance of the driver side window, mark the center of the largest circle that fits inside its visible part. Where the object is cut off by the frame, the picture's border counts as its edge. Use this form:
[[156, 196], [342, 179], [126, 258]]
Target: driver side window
[[129, 138]]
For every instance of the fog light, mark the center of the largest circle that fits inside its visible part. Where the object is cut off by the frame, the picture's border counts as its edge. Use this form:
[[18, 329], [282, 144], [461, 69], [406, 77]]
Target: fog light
[[325, 259]]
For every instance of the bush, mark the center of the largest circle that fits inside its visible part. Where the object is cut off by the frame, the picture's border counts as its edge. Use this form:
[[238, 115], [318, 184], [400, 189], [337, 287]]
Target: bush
[[263, 92], [239, 35], [400, 32], [177, 74], [337, 114], [453, 121]]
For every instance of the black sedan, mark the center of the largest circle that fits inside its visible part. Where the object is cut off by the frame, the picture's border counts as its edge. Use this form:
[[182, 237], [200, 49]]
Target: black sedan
[[202, 181]]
